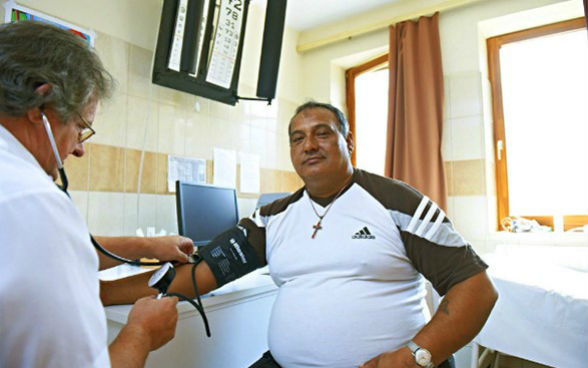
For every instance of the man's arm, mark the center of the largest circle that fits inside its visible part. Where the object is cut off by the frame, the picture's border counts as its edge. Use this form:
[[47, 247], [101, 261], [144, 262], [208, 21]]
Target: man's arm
[[129, 289], [228, 256], [460, 316], [163, 248], [151, 324]]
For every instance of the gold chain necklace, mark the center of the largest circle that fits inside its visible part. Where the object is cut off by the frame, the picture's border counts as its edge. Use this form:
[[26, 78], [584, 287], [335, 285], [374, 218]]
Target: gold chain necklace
[[318, 226]]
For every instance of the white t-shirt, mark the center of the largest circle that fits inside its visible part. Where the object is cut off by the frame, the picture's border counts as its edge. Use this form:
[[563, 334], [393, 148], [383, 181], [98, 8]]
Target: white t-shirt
[[50, 309], [356, 289]]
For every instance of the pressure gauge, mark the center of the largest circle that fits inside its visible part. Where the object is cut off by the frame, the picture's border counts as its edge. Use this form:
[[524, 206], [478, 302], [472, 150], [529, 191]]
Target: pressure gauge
[[162, 278]]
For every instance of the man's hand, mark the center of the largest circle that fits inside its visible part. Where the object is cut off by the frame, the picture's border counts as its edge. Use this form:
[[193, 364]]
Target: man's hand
[[164, 248], [401, 358], [151, 324], [154, 319], [170, 248]]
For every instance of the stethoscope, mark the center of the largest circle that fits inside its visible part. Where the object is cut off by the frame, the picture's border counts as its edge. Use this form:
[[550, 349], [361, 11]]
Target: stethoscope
[[162, 278]]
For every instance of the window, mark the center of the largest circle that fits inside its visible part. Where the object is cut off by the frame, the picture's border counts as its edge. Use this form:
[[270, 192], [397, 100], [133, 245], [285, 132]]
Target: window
[[367, 104], [539, 80]]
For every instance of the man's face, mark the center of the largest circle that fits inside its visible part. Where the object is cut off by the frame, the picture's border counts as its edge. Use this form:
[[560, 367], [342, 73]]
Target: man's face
[[67, 136], [317, 146]]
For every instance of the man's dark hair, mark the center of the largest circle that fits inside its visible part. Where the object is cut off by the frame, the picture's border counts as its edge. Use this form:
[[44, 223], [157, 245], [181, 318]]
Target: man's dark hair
[[341, 119], [33, 53]]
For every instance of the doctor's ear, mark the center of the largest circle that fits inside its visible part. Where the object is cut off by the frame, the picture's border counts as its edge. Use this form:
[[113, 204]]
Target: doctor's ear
[[35, 115], [43, 89]]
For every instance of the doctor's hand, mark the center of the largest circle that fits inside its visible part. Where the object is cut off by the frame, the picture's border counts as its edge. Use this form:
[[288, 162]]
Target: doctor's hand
[[401, 358], [153, 321], [169, 248]]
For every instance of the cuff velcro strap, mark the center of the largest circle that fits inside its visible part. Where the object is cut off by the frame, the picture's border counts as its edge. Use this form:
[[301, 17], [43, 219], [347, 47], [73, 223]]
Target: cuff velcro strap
[[229, 256]]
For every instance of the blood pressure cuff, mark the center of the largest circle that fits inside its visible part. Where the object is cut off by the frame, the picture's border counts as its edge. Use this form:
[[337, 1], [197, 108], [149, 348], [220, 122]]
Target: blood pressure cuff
[[230, 256]]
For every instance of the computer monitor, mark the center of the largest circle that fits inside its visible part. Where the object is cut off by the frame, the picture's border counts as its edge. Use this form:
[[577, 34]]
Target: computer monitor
[[204, 211]]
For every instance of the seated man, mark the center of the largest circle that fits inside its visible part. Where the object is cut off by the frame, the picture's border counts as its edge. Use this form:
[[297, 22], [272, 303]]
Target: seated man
[[348, 251]]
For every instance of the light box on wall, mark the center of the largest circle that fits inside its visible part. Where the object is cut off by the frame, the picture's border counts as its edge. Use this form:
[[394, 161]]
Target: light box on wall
[[200, 45]]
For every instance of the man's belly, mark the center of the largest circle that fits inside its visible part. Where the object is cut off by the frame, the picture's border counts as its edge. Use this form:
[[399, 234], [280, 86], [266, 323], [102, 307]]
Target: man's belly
[[342, 322]]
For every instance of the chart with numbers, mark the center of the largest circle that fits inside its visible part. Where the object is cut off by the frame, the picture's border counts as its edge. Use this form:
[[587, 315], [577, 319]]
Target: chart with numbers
[[226, 43]]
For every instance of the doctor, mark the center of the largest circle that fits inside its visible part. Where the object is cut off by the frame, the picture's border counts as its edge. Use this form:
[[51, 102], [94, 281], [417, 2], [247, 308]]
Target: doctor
[[50, 310]]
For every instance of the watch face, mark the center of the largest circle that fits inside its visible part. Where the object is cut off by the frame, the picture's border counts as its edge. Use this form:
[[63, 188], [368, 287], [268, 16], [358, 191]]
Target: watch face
[[422, 357]]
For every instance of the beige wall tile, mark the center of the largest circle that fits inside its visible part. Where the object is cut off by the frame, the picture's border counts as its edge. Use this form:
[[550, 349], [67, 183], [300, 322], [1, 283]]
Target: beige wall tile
[[467, 138], [80, 200], [111, 121], [258, 143], [447, 140], [105, 213], [130, 219], [246, 206], [131, 167], [470, 217], [139, 73], [106, 168], [290, 181], [465, 94], [78, 170], [147, 211], [172, 130], [271, 156], [142, 118], [166, 213], [449, 177], [114, 53], [161, 184], [167, 95], [244, 134], [219, 110], [468, 178], [198, 138], [269, 181], [154, 172]]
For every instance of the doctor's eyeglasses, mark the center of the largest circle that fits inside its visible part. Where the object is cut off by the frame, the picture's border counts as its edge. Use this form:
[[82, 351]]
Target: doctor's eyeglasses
[[86, 131]]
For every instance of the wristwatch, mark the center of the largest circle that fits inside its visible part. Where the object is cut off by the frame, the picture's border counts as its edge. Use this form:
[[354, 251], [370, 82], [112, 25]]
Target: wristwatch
[[422, 356]]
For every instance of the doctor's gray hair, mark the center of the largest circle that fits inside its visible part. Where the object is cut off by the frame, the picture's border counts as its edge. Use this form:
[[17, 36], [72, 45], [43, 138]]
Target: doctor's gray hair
[[34, 53], [343, 125]]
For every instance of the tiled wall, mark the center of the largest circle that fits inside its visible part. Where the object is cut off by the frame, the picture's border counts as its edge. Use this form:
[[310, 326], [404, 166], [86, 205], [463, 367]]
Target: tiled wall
[[160, 121], [464, 155]]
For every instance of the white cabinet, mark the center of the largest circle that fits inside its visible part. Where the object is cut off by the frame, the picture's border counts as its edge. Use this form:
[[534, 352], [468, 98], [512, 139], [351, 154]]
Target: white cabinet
[[238, 323]]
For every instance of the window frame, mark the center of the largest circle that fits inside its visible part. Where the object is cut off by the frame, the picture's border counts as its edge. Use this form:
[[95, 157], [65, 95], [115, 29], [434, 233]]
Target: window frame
[[493, 48], [350, 75]]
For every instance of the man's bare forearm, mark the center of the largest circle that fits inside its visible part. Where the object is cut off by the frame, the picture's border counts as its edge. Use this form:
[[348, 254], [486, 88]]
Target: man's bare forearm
[[459, 317], [124, 246], [129, 349], [129, 289]]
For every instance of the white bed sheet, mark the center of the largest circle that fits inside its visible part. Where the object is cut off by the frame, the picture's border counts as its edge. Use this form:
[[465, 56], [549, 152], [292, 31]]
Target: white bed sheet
[[542, 311]]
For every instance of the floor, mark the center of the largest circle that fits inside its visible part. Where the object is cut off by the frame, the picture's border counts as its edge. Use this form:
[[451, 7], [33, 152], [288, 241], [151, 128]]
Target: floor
[[507, 361]]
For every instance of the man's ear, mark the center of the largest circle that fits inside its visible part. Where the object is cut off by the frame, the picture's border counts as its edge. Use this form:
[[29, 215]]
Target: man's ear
[[34, 114], [349, 140]]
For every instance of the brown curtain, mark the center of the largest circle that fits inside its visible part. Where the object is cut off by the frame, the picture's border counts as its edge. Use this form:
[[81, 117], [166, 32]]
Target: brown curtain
[[415, 108]]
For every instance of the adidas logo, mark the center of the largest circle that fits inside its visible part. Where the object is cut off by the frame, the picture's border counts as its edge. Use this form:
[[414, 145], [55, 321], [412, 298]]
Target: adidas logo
[[363, 234]]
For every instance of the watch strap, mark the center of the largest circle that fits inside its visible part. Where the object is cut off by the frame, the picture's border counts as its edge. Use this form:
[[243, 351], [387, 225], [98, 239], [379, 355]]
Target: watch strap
[[414, 347]]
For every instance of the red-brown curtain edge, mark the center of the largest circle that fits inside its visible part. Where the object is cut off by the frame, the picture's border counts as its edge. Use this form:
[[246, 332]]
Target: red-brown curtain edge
[[415, 108]]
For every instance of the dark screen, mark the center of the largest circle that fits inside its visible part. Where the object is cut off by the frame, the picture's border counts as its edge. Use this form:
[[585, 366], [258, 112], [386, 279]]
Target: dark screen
[[205, 211]]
